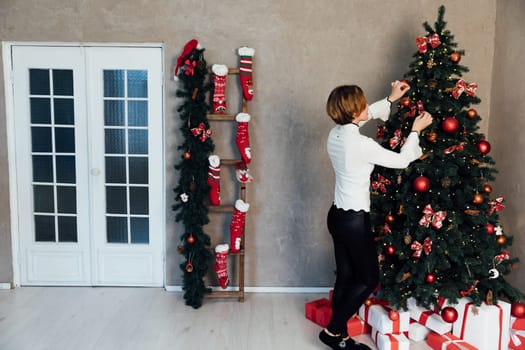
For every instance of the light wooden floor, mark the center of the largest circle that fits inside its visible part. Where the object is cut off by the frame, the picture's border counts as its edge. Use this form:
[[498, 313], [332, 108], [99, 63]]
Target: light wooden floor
[[74, 318]]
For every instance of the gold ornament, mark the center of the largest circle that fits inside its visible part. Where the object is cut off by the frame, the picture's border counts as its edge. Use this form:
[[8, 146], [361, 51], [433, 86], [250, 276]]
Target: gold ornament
[[408, 239], [445, 182], [430, 63]]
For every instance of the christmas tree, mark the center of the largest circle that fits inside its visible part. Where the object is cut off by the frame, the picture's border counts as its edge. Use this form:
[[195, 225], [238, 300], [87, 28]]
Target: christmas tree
[[193, 188], [437, 221]]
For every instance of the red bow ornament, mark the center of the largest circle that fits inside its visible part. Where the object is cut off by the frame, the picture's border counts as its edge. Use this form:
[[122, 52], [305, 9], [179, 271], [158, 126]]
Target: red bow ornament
[[201, 132], [502, 256], [422, 42], [386, 229], [381, 183], [396, 139], [436, 218], [380, 131], [418, 248], [453, 148], [496, 205], [189, 67], [461, 86]]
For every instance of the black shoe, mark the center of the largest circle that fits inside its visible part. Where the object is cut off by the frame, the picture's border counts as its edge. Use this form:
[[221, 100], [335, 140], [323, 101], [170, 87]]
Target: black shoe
[[336, 342]]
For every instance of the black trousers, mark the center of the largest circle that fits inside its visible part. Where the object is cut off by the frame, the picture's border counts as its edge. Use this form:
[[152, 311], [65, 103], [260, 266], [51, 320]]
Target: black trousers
[[357, 271]]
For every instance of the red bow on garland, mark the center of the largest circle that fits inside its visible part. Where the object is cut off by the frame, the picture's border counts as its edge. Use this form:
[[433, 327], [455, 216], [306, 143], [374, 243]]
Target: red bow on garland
[[202, 131], [502, 256], [422, 42], [380, 183], [418, 247], [464, 293], [436, 218], [461, 86], [496, 205]]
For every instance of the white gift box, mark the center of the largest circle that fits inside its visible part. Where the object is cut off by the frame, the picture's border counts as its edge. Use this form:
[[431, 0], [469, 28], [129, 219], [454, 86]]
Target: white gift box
[[428, 318], [417, 332], [485, 326], [390, 341], [377, 317]]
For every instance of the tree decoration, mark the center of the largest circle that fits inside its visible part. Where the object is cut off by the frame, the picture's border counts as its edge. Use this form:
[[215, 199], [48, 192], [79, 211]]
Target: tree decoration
[[518, 309], [487, 188], [421, 184], [444, 232], [483, 147], [191, 74], [450, 125], [449, 314]]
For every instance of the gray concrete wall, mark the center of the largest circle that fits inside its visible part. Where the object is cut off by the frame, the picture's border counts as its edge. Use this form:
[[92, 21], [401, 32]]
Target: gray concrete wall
[[507, 122], [303, 50]]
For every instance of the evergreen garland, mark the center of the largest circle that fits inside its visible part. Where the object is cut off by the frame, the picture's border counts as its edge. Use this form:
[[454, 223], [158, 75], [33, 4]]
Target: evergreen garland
[[426, 256], [192, 189]]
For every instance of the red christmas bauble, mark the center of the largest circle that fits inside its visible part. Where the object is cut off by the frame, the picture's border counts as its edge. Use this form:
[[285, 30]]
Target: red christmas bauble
[[489, 228], [189, 267], [190, 239], [390, 250], [455, 57], [487, 188], [449, 314], [430, 278], [421, 184], [483, 146], [187, 155], [405, 102], [450, 125], [389, 218], [477, 199], [393, 315], [518, 309], [472, 113]]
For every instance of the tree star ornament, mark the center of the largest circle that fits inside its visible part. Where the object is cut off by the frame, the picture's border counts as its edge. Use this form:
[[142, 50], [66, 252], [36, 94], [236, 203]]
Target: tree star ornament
[[184, 197]]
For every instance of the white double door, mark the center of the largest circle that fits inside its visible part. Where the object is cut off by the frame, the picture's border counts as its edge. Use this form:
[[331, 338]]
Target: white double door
[[88, 142]]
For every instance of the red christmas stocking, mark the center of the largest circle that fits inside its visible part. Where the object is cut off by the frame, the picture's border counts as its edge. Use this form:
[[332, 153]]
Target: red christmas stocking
[[245, 71], [237, 224], [220, 71], [221, 264], [242, 139], [214, 179]]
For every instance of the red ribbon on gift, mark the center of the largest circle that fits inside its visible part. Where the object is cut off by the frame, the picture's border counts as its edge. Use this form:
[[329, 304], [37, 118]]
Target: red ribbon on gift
[[461, 86], [422, 42], [202, 131], [465, 314], [515, 334], [436, 218]]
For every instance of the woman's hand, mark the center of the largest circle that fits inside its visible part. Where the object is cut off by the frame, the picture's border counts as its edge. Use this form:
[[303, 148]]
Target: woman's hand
[[421, 122], [399, 88]]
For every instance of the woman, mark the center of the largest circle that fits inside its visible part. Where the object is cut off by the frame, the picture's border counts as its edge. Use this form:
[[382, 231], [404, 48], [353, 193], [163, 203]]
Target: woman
[[353, 157]]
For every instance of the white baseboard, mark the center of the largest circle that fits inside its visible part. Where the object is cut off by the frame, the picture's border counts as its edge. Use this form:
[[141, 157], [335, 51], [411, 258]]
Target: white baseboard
[[5, 285], [294, 290]]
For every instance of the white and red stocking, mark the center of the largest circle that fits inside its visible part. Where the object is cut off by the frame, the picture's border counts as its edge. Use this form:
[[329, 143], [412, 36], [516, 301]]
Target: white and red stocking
[[221, 264], [237, 224], [220, 72], [214, 179], [242, 138], [245, 71]]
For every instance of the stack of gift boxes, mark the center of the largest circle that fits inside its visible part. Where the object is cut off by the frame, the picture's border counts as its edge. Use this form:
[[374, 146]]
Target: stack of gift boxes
[[484, 327]]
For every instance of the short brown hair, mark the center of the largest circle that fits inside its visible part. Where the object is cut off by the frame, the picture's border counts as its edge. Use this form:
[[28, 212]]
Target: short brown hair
[[344, 103]]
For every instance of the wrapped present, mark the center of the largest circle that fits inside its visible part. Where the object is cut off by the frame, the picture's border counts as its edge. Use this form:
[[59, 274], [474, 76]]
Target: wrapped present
[[485, 326], [319, 311], [390, 341], [356, 326], [417, 332], [428, 318], [517, 333], [447, 341], [377, 316]]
